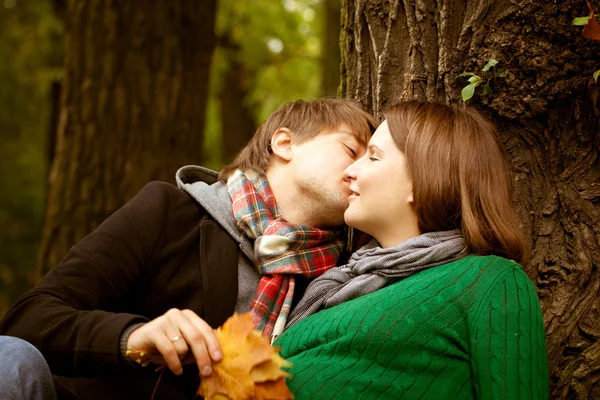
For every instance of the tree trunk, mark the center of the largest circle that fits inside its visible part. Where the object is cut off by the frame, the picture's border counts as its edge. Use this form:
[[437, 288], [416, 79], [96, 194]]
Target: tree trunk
[[548, 121], [132, 108], [330, 54], [237, 122]]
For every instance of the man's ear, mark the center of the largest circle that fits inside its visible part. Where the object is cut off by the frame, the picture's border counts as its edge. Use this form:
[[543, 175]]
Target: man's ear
[[281, 144]]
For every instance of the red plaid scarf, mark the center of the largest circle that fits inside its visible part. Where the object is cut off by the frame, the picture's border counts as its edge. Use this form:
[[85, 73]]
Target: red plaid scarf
[[281, 249]]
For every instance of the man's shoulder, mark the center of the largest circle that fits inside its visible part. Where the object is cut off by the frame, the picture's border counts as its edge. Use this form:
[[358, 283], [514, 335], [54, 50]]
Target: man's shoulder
[[159, 192], [161, 188], [162, 198]]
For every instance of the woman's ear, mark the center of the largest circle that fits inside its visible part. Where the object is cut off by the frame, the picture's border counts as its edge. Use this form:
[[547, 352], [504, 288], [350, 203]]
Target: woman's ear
[[281, 144], [411, 198]]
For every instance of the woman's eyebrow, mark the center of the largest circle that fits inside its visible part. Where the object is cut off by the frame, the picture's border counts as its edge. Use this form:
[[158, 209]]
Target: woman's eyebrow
[[374, 148]]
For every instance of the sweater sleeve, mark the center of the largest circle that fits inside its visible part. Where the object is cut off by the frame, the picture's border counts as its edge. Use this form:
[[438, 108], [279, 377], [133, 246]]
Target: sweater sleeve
[[508, 343], [76, 315]]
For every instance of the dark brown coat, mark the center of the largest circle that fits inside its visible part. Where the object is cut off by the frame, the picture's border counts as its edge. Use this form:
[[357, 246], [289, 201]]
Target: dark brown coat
[[160, 251]]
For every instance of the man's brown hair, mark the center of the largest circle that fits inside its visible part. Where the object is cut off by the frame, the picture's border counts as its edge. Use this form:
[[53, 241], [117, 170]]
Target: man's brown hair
[[461, 176], [305, 119]]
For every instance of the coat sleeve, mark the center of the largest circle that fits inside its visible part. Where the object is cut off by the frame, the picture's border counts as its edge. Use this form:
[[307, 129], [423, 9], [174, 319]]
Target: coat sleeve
[[75, 315], [508, 343]]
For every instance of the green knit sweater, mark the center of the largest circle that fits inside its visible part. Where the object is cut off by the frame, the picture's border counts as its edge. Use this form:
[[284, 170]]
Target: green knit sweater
[[470, 329]]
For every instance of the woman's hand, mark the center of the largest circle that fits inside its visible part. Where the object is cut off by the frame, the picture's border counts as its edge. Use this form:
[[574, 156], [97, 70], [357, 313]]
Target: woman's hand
[[173, 335]]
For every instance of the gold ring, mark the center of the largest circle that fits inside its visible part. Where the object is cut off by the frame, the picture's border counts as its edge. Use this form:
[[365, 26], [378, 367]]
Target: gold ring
[[175, 338]]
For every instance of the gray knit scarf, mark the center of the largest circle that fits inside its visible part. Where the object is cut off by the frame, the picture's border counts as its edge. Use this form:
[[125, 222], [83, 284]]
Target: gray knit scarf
[[371, 267]]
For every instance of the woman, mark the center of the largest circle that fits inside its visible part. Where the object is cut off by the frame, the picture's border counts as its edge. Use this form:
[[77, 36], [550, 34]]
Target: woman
[[438, 307]]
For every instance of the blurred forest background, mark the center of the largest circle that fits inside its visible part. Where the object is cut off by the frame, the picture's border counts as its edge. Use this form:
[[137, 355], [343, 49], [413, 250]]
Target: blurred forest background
[[99, 97], [267, 52]]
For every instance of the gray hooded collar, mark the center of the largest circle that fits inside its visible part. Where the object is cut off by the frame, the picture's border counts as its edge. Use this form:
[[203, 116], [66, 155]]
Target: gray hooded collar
[[204, 187]]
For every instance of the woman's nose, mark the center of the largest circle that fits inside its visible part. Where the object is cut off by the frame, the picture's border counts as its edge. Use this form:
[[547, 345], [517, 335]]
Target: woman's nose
[[350, 171]]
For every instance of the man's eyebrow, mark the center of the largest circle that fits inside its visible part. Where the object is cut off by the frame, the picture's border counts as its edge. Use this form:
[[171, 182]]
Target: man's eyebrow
[[356, 138]]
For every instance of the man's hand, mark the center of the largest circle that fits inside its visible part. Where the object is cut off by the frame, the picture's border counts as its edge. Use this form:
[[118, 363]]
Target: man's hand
[[173, 335]]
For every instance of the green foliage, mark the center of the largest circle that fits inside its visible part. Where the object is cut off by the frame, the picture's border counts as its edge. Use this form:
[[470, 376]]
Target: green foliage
[[596, 75], [581, 20], [278, 44], [487, 79], [31, 54]]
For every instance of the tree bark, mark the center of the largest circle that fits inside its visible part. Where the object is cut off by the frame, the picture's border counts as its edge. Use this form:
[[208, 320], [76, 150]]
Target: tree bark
[[132, 108], [547, 117]]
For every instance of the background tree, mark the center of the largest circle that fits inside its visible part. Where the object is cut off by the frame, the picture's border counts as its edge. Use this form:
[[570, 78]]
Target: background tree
[[132, 109], [31, 59], [548, 121], [267, 53], [330, 55]]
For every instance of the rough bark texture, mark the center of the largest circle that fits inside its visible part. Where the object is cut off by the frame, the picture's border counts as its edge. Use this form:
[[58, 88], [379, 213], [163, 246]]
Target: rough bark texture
[[548, 121], [132, 108]]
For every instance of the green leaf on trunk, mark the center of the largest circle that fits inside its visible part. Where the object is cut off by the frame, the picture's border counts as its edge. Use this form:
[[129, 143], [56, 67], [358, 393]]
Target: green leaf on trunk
[[501, 74], [581, 20], [596, 75], [464, 74], [475, 79], [468, 91], [487, 89], [489, 65]]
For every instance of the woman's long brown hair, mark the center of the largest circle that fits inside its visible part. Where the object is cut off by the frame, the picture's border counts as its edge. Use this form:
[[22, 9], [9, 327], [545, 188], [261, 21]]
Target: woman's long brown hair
[[461, 175]]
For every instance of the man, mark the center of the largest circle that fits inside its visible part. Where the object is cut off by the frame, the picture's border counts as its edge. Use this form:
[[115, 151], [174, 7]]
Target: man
[[174, 263]]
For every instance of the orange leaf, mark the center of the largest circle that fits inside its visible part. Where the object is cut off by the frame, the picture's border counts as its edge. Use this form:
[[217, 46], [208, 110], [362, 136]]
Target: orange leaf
[[249, 364], [270, 370], [141, 357], [276, 390], [592, 29]]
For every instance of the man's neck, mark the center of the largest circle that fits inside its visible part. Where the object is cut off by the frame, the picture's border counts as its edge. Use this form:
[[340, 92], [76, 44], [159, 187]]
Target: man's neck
[[288, 200]]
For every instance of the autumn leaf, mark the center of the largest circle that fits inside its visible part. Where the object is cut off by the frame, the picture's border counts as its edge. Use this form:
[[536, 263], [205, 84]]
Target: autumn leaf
[[250, 368], [273, 390], [592, 29], [141, 357]]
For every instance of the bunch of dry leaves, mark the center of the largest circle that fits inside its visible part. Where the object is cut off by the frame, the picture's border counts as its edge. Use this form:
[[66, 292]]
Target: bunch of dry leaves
[[250, 369]]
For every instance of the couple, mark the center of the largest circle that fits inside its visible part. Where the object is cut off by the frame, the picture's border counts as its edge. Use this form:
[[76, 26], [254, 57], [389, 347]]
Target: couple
[[434, 306]]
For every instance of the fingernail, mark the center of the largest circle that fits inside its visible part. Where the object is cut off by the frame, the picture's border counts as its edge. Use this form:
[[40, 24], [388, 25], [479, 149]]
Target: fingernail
[[217, 355], [206, 370]]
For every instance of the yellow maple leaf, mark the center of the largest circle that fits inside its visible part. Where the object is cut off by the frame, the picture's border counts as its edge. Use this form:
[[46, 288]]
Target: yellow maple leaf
[[273, 390], [141, 357], [250, 368]]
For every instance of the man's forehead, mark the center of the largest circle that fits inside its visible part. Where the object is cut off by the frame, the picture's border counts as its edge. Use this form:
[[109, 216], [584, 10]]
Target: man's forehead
[[347, 133]]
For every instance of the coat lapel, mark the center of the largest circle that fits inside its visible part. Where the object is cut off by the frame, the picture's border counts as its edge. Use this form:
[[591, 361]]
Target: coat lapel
[[219, 267]]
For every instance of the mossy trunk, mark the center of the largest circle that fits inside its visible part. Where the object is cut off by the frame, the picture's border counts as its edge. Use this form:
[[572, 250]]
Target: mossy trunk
[[132, 108], [548, 120]]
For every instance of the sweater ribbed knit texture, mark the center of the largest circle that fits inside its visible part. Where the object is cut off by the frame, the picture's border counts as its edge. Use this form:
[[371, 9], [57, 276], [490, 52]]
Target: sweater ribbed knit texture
[[469, 329]]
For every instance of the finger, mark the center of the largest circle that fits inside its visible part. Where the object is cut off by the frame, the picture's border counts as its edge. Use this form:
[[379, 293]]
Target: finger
[[179, 342], [168, 351], [197, 343], [212, 343]]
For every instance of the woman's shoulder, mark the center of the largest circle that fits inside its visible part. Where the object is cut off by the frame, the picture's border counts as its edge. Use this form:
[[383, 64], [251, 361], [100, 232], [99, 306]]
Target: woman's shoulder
[[488, 271], [495, 273], [493, 264]]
